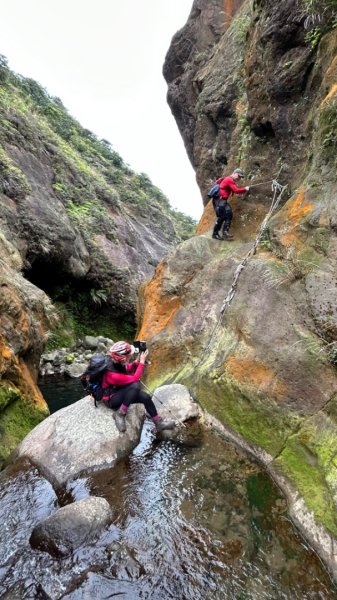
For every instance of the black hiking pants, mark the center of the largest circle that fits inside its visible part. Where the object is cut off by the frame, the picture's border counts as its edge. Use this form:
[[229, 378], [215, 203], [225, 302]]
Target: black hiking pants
[[225, 214], [132, 394]]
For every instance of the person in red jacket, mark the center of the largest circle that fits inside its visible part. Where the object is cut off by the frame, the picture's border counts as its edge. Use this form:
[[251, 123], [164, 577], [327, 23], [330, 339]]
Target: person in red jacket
[[223, 209], [121, 382]]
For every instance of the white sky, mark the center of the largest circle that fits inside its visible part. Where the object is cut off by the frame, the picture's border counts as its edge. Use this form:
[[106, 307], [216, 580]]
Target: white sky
[[104, 59]]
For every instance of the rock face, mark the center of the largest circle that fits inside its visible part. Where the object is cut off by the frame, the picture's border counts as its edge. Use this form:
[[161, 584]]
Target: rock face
[[71, 526], [75, 222], [257, 95], [25, 319], [79, 438]]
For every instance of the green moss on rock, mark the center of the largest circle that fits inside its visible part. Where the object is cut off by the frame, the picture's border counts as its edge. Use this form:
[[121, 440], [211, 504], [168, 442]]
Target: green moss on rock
[[183, 376], [264, 424], [7, 396], [309, 460], [18, 417]]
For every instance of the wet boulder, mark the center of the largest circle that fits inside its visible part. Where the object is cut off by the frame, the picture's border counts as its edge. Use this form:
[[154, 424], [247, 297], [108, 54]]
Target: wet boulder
[[80, 438], [175, 403], [72, 526]]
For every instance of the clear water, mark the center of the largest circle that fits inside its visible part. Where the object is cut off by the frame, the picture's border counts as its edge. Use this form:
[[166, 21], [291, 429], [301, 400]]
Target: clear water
[[193, 521], [59, 391]]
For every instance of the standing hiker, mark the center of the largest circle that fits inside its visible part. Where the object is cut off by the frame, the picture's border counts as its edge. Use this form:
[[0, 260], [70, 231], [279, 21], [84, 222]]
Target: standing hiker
[[223, 209], [121, 382]]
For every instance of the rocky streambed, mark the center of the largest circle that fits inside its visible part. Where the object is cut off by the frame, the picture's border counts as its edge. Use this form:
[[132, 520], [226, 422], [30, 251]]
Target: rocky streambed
[[73, 361], [183, 516]]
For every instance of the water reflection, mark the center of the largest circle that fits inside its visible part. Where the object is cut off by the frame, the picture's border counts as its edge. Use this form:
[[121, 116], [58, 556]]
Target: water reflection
[[193, 522], [205, 522]]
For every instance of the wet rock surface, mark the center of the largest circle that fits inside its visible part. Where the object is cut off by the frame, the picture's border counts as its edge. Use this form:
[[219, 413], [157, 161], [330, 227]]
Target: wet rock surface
[[175, 403], [71, 526], [80, 438]]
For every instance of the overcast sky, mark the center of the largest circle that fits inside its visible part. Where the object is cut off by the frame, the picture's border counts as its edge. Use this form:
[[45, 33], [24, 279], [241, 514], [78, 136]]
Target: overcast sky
[[104, 59]]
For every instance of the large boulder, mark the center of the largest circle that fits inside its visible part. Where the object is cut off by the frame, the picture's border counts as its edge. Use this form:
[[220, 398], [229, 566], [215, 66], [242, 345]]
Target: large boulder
[[175, 403], [78, 439], [72, 526]]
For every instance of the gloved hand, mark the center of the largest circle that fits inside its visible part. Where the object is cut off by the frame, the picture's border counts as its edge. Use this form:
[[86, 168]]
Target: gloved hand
[[247, 188]]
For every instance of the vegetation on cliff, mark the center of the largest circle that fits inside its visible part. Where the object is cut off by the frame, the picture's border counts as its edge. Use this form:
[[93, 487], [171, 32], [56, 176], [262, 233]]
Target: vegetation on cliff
[[96, 188], [86, 170]]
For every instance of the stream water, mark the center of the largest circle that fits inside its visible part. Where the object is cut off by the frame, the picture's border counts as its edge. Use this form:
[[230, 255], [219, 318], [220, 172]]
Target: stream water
[[193, 521]]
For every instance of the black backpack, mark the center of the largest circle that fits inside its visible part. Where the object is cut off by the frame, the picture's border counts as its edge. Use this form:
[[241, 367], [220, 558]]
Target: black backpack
[[214, 192], [93, 376]]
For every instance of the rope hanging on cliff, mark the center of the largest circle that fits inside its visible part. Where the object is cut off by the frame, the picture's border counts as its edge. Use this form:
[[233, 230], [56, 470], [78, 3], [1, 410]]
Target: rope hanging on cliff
[[278, 190]]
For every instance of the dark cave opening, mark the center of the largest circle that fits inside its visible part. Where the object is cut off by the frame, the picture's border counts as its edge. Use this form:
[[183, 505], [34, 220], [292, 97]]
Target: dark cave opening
[[51, 277], [83, 303]]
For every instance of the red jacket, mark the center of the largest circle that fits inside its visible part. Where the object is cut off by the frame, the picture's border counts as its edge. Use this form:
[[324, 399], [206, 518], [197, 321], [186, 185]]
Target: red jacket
[[227, 186], [113, 378]]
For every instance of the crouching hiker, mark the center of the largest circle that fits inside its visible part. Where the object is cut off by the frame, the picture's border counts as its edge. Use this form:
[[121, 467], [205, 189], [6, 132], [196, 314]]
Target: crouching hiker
[[119, 385]]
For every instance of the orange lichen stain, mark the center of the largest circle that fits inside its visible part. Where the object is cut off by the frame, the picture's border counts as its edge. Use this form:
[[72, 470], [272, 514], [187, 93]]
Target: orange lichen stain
[[267, 256], [228, 7], [252, 372], [6, 353], [291, 239], [330, 95], [298, 208], [29, 386], [292, 214], [6, 356], [207, 220], [159, 309]]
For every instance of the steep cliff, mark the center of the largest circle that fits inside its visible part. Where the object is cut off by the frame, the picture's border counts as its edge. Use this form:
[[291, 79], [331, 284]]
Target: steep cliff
[[77, 226], [251, 86]]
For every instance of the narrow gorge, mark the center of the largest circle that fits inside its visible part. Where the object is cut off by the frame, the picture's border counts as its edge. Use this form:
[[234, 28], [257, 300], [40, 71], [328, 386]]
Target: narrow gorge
[[91, 249]]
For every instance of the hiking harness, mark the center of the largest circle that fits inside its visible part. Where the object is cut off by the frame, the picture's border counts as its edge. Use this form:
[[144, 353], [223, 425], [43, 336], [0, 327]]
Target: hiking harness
[[278, 190]]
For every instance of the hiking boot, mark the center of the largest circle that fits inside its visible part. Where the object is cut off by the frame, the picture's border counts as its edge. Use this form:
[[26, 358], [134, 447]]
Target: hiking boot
[[227, 236], [216, 236], [120, 421], [161, 425]]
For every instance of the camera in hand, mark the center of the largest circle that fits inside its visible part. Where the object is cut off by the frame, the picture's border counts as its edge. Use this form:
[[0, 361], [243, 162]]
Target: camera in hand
[[140, 344]]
